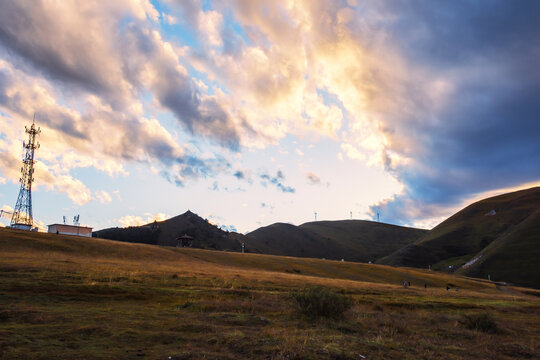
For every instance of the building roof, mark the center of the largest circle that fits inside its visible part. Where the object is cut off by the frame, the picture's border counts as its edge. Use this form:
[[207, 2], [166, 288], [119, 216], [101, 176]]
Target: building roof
[[75, 226]]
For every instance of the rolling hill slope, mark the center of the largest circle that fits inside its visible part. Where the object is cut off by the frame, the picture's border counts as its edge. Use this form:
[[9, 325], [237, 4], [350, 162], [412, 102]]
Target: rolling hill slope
[[26, 249], [500, 236], [354, 240]]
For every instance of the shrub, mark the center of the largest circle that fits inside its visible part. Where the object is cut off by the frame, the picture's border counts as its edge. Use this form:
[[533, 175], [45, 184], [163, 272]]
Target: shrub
[[318, 301], [480, 322]]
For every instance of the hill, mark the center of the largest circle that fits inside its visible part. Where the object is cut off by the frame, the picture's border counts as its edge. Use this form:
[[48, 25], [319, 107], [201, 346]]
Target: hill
[[513, 256], [498, 236], [353, 240], [66, 297], [168, 232]]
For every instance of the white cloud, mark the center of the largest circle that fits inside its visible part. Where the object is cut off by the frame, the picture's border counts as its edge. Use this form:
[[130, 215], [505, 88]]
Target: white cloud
[[210, 25], [352, 152], [103, 197], [136, 220]]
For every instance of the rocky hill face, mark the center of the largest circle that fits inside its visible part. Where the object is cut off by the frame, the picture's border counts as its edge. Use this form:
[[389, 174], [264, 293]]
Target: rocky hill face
[[498, 236]]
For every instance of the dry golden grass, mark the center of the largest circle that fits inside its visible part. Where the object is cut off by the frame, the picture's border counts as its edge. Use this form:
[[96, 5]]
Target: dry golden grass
[[63, 297]]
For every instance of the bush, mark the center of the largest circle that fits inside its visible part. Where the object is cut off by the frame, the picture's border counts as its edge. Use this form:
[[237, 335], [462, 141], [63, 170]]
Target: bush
[[480, 322], [318, 301]]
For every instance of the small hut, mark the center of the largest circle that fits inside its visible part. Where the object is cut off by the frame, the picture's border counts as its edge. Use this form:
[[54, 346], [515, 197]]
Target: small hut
[[185, 241]]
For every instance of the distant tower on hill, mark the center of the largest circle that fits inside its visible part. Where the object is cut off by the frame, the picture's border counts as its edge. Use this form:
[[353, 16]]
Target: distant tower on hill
[[315, 216], [22, 214]]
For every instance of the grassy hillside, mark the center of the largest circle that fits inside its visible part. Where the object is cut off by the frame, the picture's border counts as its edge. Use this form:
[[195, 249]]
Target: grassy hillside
[[206, 235], [514, 256], [367, 240], [65, 297], [354, 240], [491, 227]]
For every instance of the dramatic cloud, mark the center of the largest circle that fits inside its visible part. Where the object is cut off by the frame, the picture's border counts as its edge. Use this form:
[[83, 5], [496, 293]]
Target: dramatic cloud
[[442, 96], [105, 72], [475, 122]]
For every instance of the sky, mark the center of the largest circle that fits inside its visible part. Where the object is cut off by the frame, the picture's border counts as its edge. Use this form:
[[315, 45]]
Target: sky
[[254, 112]]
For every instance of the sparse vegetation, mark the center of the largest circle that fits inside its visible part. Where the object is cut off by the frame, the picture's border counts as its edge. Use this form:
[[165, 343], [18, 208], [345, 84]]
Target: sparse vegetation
[[481, 322], [318, 301], [71, 298]]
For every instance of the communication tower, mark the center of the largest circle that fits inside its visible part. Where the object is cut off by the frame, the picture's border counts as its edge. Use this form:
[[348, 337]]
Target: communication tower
[[22, 214]]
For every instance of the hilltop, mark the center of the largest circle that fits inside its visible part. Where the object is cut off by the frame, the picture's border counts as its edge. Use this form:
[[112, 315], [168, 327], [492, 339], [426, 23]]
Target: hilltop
[[498, 236], [353, 240], [168, 232]]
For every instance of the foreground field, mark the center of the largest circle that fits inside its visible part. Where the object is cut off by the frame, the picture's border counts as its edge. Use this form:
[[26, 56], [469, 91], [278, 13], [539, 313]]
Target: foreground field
[[70, 298]]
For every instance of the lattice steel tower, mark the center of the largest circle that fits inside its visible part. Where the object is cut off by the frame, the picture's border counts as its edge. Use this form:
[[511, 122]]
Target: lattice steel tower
[[22, 215]]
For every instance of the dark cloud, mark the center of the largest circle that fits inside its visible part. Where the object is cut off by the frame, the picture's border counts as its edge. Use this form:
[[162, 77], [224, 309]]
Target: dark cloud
[[485, 137], [461, 31], [277, 181]]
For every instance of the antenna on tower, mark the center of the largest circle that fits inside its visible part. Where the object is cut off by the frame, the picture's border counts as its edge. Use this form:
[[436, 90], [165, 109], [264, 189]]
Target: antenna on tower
[[315, 216], [76, 220], [22, 214], [64, 217]]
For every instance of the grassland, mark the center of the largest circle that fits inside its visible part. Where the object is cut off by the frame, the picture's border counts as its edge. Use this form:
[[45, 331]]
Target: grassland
[[70, 298]]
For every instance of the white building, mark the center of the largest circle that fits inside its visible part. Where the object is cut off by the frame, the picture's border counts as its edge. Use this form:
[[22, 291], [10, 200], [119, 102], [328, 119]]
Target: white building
[[70, 230]]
